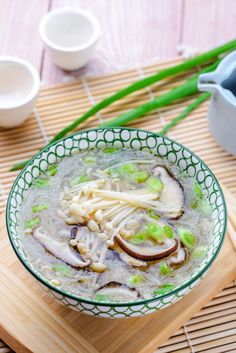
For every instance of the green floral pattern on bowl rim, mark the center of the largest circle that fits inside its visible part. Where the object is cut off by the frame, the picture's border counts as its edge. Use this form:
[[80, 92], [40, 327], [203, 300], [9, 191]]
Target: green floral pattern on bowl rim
[[130, 138]]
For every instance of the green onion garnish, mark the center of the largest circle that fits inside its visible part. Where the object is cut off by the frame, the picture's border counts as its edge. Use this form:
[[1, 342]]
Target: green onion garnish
[[197, 190], [80, 179], [110, 150], [154, 184], [101, 298], [168, 231], [39, 208], [199, 252], [155, 231], [52, 170], [41, 183], [89, 160], [126, 169], [187, 237], [136, 279], [153, 215], [140, 176], [164, 268], [165, 288], [65, 270], [32, 223], [139, 238]]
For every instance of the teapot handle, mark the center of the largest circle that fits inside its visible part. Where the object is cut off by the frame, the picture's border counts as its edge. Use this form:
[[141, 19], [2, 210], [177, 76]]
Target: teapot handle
[[208, 82]]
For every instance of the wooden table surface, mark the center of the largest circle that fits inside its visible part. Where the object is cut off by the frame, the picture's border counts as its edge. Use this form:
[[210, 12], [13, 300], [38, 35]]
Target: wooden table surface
[[134, 32]]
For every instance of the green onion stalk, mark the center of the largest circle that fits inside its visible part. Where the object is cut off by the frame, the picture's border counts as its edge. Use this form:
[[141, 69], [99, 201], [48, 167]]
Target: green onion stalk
[[174, 70], [184, 90]]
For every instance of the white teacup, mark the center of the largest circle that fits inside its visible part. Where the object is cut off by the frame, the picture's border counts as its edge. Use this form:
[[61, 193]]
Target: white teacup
[[70, 36], [19, 87]]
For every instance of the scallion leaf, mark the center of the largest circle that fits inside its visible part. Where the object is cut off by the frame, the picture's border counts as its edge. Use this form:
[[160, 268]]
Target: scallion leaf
[[65, 270], [136, 279], [197, 190], [101, 298], [39, 208], [140, 176], [187, 237], [155, 232], [153, 215], [41, 183], [199, 252], [164, 268], [168, 231], [110, 150], [165, 288], [154, 184], [52, 170], [80, 179], [32, 223], [139, 238]]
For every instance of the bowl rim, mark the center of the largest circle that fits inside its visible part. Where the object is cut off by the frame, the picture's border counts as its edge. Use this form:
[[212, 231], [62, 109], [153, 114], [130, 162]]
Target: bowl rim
[[69, 295]]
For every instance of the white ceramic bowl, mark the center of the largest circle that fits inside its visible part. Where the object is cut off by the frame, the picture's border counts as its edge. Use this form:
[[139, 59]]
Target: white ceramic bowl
[[70, 36], [19, 87], [128, 138]]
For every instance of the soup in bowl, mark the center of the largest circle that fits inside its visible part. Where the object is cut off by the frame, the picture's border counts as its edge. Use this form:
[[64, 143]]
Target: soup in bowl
[[116, 222]]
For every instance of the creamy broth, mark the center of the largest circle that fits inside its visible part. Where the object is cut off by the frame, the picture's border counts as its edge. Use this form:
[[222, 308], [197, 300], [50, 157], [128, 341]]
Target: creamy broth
[[115, 225]]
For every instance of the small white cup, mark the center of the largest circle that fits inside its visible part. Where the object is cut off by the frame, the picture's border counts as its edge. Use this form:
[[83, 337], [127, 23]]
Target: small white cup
[[70, 36], [19, 87]]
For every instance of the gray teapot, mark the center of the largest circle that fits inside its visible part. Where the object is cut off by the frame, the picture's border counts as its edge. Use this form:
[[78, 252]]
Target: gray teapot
[[222, 110]]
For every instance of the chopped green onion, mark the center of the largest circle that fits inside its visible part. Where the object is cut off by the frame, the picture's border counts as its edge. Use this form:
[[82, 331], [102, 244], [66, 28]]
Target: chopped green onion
[[52, 170], [187, 237], [39, 208], [32, 223], [136, 279], [65, 270], [165, 288], [164, 268], [41, 183], [155, 231], [154, 184], [139, 238], [168, 231], [101, 298], [140, 176], [126, 169], [197, 190], [199, 252], [89, 160], [78, 180], [110, 150], [152, 214]]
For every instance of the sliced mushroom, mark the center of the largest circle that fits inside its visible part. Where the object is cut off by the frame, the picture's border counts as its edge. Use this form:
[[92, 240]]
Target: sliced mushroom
[[132, 261], [172, 194], [180, 257], [148, 253], [60, 250], [118, 292]]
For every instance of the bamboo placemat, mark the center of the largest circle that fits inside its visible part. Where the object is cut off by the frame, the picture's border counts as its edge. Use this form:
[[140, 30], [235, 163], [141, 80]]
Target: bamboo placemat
[[211, 330]]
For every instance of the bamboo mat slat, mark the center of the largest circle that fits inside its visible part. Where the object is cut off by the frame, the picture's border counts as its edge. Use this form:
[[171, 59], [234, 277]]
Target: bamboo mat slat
[[211, 330]]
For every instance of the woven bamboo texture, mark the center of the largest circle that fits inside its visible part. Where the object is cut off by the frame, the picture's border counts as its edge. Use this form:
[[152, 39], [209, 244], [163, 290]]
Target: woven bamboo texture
[[213, 328]]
